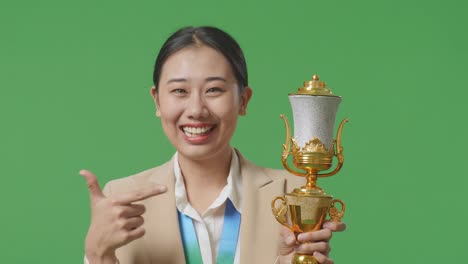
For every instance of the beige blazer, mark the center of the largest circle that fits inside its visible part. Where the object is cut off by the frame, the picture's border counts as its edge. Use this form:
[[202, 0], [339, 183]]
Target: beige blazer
[[162, 244]]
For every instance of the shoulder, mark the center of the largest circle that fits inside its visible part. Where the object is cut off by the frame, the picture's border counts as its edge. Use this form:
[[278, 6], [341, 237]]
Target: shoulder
[[273, 174], [156, 175], [291, 181]]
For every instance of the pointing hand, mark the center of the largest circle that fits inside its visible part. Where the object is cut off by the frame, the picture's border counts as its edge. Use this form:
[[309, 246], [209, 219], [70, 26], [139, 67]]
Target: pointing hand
[[115, 220]]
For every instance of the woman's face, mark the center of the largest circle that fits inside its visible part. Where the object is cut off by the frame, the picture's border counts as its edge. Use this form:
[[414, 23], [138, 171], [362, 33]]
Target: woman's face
[[199, 101]]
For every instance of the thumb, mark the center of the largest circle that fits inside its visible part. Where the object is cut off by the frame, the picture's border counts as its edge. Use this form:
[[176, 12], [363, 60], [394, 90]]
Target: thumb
[[95, 192], [287, 241]]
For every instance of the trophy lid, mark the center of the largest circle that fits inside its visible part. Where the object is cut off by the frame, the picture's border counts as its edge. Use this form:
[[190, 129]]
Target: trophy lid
[[314, 87]]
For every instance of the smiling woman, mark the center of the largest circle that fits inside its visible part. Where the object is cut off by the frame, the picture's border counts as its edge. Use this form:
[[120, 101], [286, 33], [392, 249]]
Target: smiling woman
[[198, 100], [208, 204]]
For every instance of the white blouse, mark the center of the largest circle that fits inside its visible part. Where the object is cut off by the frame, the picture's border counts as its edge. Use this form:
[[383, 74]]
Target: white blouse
[[209, 225]]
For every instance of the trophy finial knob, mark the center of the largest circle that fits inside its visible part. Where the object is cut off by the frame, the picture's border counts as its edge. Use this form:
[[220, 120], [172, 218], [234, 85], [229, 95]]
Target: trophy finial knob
[[314, 87]]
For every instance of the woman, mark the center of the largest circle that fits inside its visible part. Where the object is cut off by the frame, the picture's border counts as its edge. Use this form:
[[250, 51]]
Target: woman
[[208, 204]]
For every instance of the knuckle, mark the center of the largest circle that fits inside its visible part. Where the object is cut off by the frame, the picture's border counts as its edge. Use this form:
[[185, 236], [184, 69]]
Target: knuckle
[[327, 233], [91, 184], [125, 236], [139, 195], [304, 237], [308, 248], [114, 202], [118, 211], [136, 233], [121, 224], [324, 246]]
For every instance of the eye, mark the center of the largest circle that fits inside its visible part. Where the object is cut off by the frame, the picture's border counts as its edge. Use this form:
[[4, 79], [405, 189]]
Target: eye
[[179, 91], [215, 90]]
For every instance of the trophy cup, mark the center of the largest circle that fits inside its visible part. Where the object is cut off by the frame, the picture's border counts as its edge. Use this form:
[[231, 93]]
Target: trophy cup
[[313, 147]]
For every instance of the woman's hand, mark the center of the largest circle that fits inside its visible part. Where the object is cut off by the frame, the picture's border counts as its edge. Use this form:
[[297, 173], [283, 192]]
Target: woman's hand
[[115, 221], [312, 243]]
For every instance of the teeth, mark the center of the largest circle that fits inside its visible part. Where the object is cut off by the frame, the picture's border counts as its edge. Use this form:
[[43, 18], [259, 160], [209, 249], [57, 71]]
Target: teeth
[[196, 131]]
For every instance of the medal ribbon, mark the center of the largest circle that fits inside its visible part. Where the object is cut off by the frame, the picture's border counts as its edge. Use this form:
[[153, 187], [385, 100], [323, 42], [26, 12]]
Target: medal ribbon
[[228, 242]]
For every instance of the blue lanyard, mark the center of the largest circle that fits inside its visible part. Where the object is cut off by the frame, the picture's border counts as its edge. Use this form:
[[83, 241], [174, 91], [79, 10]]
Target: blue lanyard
[[228, 242]]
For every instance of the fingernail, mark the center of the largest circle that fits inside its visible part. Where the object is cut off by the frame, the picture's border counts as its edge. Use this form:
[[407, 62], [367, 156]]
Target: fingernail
[[299, 237], [329, 225]]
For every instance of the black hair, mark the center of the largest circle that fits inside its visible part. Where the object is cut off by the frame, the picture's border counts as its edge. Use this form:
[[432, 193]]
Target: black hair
[[210, 36]]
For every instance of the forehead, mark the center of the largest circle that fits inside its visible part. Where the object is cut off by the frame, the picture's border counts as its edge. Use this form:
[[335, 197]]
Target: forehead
[[194, 63]]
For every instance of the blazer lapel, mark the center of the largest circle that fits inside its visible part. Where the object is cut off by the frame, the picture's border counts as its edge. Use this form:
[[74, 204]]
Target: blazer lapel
[[163, 232], [259, 231]]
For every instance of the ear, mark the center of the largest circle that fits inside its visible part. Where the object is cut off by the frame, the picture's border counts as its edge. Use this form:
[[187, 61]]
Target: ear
[[154, 94], [245, 98]]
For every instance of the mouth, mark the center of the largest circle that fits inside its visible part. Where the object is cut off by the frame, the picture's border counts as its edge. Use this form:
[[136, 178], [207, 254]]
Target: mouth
[[197, 131]]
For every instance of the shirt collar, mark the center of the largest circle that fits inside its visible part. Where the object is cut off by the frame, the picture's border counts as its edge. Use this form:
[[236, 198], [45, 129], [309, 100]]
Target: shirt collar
[[232, 190]]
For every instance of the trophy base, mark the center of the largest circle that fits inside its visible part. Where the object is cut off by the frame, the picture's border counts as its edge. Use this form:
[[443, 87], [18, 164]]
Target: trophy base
[[303, 259]]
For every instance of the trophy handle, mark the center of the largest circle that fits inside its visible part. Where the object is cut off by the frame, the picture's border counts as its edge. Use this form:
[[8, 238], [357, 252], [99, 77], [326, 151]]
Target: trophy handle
[[335, 214], [280, 212], [338, 152], [287, 149]]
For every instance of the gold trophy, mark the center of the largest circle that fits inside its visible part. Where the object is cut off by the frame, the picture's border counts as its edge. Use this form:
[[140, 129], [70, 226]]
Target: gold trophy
[[313, 147]]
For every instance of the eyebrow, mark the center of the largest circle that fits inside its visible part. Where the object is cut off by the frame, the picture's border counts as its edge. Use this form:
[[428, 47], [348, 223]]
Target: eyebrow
[[209, 79], [176, 80], [216, 78]]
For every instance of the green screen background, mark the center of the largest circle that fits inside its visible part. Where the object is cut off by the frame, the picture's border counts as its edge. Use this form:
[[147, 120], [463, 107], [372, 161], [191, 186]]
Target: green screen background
[[74, 93]]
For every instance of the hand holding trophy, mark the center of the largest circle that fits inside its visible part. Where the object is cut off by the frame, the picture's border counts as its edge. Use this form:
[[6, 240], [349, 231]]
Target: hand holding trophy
[[313, 147]]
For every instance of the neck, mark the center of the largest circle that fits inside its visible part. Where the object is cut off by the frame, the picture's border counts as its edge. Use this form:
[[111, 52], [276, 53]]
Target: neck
[[204, 179]]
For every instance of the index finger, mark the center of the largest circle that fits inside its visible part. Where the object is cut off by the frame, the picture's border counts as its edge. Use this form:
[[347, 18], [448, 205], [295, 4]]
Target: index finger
[[140, 195]]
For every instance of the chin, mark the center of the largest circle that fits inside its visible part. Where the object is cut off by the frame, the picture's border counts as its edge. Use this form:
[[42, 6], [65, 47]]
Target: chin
[[198, 152]]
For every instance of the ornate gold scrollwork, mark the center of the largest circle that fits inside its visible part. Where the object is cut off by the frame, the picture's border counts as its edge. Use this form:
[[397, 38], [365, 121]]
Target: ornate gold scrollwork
[[338, 152], [314, 152], [334, 213], [280, 212], [314, 145]]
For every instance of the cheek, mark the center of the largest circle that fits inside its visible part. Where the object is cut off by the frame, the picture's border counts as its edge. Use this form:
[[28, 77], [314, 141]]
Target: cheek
[[168, 103], [227, 112], [170, 113]]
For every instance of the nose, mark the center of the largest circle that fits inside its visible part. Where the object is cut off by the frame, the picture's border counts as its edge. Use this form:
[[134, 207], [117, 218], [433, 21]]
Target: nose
[[196, 107]]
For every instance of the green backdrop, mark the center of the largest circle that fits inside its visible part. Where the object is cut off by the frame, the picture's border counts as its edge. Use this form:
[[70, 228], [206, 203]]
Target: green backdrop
[[74, 93]]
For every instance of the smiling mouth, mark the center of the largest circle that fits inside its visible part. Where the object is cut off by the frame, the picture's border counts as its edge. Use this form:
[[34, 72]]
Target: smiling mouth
[[192, 132]]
